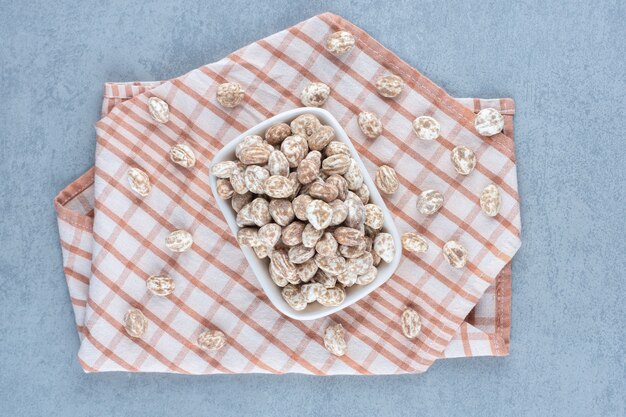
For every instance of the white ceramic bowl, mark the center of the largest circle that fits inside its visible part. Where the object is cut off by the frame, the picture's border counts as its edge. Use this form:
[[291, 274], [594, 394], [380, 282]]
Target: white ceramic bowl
[[261, 266]]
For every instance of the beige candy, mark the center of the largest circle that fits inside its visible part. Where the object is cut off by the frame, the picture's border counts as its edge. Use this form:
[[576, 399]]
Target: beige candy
[[327, 281], [426, 128], [331, 265], [311, 291], [135, 323], [284, 269], [336, 164], [389, 86], [347, 278], [413, 242], [363, 193], [230, 94], [292, 233], [315, 94], [463, 159], [179, 241], [411, 323], [323, 191], [254, 177], [224, 189], [183, 155], [490, 200], [260, 211], [368, 276], [254, 155], [311, 235], [340, 42], [238, 180], [332, 296], [309, 168], [348, 236], [319, 214], [139, 181], [240, 200], [261, 251], [244, 216], [299, 254], [374, 216], [370, 124], [455, 254], [340, 212], [321, 137], [336, 148], [249, 140], [223, 169], [248, 236], [306, 270], [294, 297], [489, 122], [354, 176], [277, 276], [300, 204], [326, 245], [277, 133], [385, 247], [269, 235], [211, 340], [429, 202], [158, 109], [295, 148], [340, 183], [277, 186], [161, 285], [386, 180], [305, 125], [356, 211], [278, 164], [360, 265], [335, 340]]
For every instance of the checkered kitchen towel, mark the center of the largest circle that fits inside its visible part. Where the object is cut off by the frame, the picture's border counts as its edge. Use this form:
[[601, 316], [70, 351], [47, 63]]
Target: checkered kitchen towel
[[113, 240]]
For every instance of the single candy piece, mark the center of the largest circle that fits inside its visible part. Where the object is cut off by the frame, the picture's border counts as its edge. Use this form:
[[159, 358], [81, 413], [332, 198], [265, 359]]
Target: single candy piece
[[413, 242], [311, 291], [294, 297], [305, 125], [315, 94], [411, 323], [332, 297], [319, 214], [429, 202], [490, 200], [463, 159], [224, 189], [374, 216], [334, 340], [139, 181], [277, 186], [248, 236], [183, 155], [385, 247], [229, 94], [370, 124], [389, 86], [211, 340], [161, 285], [489, 122], [179, 241], [135, 323], [223, 169], [455, 254], [386, 180], [426, 128], [277, 133], [340, 42], [159, 110]]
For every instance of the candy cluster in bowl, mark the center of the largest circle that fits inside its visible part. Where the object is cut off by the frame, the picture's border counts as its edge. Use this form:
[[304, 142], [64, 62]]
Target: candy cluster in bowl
[[306, 214]]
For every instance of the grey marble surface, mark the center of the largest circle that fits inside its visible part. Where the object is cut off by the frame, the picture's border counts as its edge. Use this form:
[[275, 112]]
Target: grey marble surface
[[564, 64]]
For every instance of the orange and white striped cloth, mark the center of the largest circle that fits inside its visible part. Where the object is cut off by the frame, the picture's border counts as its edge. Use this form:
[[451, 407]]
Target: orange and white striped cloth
[[112, 240]]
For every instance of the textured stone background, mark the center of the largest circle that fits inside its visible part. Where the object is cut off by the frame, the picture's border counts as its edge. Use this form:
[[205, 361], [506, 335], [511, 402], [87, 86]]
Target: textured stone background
[[564, 64]]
